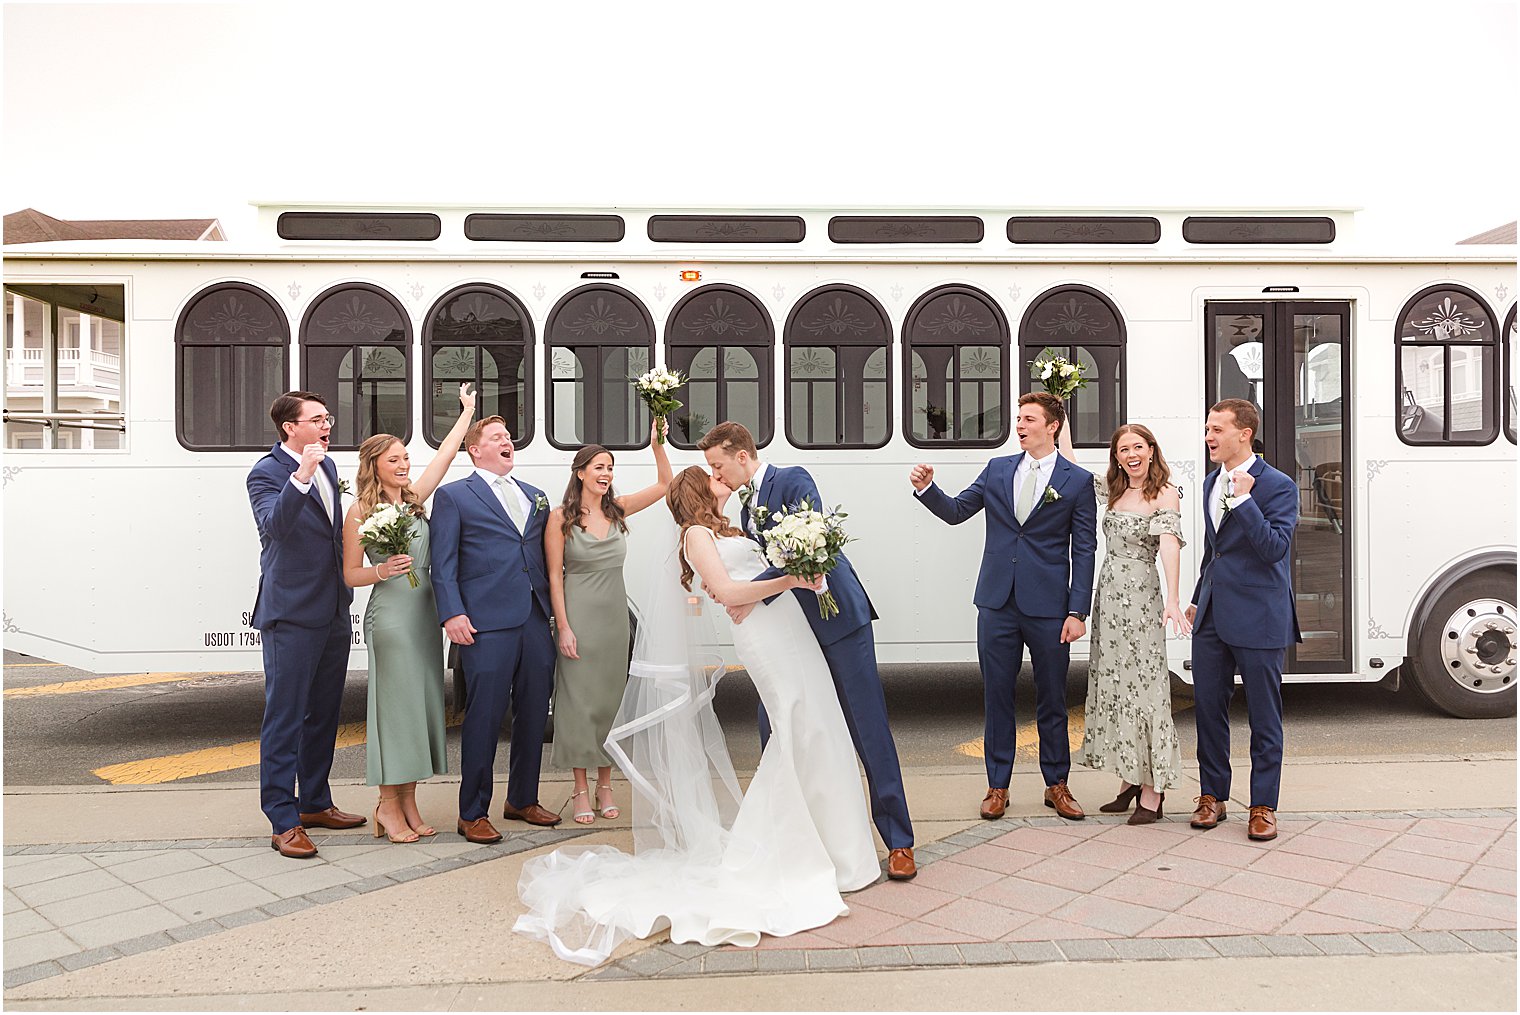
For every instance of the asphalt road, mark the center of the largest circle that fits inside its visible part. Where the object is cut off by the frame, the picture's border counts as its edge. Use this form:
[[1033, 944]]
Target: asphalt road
[[188, 728]]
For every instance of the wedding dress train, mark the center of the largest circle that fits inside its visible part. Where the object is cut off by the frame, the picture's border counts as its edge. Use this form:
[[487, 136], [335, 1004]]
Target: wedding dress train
[[714, 867]]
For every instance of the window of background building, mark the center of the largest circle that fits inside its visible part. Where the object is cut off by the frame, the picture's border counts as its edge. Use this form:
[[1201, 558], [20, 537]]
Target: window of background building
[[722, 339], [1447, 368], [356, 351], [600, 339], [837, 346], [233, 346], [955, 345], [484, 335], [1081, 325]]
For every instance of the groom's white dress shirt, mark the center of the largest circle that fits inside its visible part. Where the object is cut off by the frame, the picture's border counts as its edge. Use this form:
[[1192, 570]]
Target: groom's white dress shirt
[[754, 498], [1220, 495], [506, 489], [1041, 477], [324, 487]]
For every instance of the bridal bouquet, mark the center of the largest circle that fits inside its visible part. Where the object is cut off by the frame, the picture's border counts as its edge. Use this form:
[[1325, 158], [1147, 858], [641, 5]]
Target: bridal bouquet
[[807, 543], [388, 531], [1060, 376], [656, 388]]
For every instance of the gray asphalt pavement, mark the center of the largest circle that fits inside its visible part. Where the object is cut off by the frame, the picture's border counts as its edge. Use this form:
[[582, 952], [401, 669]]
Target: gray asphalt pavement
[[62, 739]]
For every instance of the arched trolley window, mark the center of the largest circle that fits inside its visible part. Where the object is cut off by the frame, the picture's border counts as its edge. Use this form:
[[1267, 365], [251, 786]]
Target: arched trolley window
[[356, 349], [721, 338], [955, 346], [232, 344], [601, 339], [1080, 325], [1448, 368], [481, 334], [1511, 332], [838, 370]]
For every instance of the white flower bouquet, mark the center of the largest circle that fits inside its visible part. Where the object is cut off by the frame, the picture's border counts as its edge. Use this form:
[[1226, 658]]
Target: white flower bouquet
[[1060, 376], [807, 543], [388, 531], [657, 388]]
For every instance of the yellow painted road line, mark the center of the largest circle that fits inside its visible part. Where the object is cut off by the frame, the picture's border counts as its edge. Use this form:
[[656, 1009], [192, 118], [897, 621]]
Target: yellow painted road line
[[102, 683], [1028, 735], [173, 767]]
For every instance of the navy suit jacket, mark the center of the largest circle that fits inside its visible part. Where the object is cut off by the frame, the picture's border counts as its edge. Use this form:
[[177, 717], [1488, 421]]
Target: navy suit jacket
[[482, 566], [300, 546], [787, 488], [1246, 576], [1045, 564]]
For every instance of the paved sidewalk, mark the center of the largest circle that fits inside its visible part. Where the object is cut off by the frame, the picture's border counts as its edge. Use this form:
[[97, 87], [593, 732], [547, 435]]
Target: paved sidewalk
[[143, 921]]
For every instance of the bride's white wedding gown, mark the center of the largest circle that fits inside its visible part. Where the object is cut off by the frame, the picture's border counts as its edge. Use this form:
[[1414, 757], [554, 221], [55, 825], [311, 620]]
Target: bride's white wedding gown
[[802, 833]]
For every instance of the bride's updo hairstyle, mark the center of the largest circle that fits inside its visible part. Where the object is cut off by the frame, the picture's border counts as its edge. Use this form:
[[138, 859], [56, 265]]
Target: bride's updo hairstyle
[[369, 493], [692, 503]]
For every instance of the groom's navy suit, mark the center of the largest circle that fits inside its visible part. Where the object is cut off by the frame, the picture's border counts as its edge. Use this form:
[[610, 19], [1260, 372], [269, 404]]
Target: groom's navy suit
[[302, 617], [849, 647], [1033, 574], [485, 568], [1245, 621]]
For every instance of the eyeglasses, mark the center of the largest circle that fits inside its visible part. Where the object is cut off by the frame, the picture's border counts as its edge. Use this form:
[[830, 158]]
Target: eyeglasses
[[329, 420]]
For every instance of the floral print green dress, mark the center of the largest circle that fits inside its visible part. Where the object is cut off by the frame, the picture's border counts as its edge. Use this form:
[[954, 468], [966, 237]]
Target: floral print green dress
[[1129, 728]]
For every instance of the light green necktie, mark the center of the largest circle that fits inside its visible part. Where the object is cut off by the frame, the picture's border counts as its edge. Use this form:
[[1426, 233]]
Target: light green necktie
[[1026, 493], [511, 502]]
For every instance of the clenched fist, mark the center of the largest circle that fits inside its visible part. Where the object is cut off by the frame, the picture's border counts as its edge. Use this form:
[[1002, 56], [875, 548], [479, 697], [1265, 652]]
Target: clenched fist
[[921, 476]]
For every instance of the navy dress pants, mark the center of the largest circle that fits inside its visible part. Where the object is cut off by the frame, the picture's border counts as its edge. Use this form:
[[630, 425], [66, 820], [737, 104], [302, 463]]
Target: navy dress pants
[[852, 664], [511, 668], [1214, 667], [1001, 636], [304, 670]]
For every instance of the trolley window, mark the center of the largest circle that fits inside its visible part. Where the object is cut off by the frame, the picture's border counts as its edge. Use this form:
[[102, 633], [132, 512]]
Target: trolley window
[[955, 351], [601, 339], [722, 339], [1448, 368], [1509, 375], [1081, 325], [356, 348], [63, 357], [838, 362], [481, 334], [233, 347]]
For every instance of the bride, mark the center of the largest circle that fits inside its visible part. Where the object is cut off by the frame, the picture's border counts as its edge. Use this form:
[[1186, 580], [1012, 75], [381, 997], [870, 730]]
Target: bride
[[713, 865]]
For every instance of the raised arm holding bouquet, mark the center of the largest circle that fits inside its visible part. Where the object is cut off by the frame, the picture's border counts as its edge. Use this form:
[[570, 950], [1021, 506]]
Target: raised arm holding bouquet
[[657, 388]]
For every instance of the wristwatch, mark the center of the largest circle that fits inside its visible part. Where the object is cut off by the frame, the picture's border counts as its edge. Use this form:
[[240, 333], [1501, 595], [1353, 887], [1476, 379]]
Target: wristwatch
[[1080, 616]]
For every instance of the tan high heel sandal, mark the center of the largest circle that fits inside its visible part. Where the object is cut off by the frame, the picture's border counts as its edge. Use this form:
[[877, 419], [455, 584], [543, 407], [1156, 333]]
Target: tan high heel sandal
[[610, 812], [410, 793], [586, 816], [382, 830]]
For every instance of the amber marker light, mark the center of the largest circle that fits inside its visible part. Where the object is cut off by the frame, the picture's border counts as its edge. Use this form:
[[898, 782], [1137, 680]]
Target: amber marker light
[[691, 276]]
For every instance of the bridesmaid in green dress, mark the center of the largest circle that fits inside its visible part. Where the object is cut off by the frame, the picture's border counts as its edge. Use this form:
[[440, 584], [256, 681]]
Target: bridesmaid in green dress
[[584, 547], [1129, 729], [405, 731]]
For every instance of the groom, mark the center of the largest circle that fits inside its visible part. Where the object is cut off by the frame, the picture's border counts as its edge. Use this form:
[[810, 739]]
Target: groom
[[1035, 589], [846, 639]]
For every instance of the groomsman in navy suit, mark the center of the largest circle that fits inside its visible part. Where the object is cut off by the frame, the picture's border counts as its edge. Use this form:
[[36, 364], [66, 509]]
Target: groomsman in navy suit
[[1034, 589], [302, 616], [847, 641], [1243, 615], [493, 600]]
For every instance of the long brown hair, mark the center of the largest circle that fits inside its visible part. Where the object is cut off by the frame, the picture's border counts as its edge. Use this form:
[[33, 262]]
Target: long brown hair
[[367, 481], [571, 504], [692, 503], [1156, 477]]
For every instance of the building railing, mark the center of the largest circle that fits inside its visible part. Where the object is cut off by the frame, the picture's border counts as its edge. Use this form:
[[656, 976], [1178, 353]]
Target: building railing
[[88, 368]]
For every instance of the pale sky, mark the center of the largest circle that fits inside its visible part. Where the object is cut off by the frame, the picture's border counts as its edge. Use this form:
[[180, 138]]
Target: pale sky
[[136, 111]]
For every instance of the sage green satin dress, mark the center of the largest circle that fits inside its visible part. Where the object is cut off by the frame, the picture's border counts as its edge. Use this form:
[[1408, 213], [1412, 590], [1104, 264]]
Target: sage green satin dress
[[588, 690], [406, 735]]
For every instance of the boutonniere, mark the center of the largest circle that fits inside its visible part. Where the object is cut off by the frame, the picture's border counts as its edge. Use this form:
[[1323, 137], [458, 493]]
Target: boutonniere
[[1051, 495], [759, 513], [344, 488], [540, 503]]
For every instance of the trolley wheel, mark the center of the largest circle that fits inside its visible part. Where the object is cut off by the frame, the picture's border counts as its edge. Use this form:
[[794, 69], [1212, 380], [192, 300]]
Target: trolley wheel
[[1464, 661]]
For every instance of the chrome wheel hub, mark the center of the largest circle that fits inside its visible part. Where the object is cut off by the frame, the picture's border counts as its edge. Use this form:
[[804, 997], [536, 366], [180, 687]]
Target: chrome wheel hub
[[1478, 645]]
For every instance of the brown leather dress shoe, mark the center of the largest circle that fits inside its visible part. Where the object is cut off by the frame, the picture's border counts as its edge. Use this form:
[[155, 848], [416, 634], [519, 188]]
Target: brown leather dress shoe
[[1262, 825], [1208, 813], [1059, 797], [332, 818], [994, 803], [533, 814], [900, 865], [294, 844], [479, 831]]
